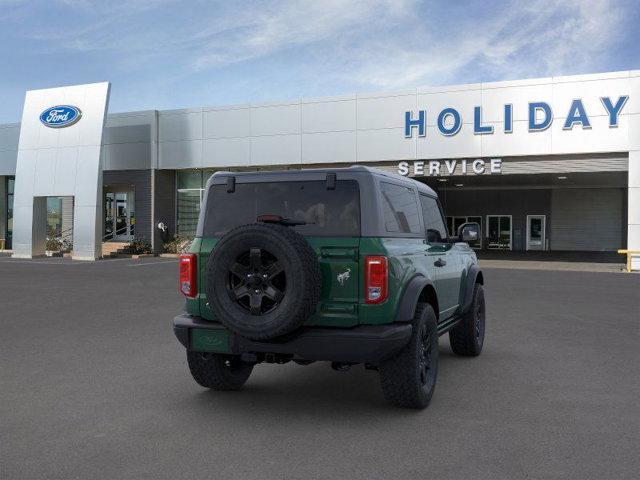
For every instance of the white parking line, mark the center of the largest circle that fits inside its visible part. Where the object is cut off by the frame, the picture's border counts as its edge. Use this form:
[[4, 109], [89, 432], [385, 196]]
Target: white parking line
[[38, 262], [152, 263]]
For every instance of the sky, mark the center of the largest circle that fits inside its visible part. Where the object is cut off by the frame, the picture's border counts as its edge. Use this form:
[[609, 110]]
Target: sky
[[163, 54]]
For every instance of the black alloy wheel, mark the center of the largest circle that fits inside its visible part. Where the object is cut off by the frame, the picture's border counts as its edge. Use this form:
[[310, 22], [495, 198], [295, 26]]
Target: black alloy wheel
[[408, 379], [262, 281], [424, 360], [257, 281], [478, 316], [467, 337]]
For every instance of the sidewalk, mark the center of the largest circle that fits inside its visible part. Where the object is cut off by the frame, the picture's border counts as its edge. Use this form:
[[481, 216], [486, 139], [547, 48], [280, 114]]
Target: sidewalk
[[564, 261]]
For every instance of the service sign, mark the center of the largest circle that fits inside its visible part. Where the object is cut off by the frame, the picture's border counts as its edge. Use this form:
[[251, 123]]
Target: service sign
[[437, 168], [60, 116]]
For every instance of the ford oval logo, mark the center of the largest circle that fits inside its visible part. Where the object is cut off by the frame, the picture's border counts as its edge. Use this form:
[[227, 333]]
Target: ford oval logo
[[60, 116]]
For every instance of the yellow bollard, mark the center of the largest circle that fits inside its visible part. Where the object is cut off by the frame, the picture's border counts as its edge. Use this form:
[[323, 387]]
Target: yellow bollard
[[628, 253]]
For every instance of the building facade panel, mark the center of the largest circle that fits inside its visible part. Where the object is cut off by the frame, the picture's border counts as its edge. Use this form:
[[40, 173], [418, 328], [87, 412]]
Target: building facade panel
[[129, 128], [276, 150], [183, 154], [127, 156], [226, 123], [381, 112], [9, 136], [180, 125], [329, 116], [226, 152], [65, 173], [8, 160], [329, 147], [386, 144], [275, 120]]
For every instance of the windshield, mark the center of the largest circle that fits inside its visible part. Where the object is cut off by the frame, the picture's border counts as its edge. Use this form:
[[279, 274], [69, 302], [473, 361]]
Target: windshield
[[321, 212]]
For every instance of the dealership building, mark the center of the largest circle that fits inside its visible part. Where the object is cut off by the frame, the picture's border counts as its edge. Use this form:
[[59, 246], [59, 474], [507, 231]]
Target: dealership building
[[542, 164]]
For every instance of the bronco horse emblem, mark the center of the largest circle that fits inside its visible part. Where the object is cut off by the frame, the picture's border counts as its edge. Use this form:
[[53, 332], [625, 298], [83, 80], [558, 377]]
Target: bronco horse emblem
[[344, 276]]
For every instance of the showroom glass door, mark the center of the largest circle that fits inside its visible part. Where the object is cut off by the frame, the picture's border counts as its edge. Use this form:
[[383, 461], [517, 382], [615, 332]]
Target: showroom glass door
[[119, 220], [536, 232], [499, 232]]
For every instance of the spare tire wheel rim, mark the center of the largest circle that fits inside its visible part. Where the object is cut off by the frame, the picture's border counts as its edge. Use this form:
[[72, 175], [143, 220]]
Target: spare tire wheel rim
[[256, 281]]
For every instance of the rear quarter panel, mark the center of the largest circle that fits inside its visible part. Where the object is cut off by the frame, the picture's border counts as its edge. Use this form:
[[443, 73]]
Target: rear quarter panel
[[406, 257]]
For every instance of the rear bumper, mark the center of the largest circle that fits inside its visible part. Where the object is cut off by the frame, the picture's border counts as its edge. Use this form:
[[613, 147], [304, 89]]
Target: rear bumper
[[361, 344]]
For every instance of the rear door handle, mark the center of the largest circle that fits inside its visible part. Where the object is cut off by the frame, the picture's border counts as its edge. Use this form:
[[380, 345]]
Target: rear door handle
[[440, 263]]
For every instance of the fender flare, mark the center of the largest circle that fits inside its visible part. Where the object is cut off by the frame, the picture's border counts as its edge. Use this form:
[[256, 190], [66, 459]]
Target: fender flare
[[409, 299], [472, 276]]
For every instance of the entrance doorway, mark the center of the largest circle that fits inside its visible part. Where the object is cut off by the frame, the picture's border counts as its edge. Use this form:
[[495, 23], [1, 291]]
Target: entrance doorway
[[536, 232], [119, 218], [499, 232]]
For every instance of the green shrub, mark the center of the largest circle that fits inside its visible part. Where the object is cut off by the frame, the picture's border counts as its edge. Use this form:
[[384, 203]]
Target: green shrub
[[138, 246], [53, 244]]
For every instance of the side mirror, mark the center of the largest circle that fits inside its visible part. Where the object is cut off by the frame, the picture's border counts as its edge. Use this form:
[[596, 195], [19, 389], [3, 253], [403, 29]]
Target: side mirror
[[469, 232]]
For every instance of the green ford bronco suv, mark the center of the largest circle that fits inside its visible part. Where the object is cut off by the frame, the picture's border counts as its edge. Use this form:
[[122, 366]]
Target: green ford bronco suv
[[348, 265]]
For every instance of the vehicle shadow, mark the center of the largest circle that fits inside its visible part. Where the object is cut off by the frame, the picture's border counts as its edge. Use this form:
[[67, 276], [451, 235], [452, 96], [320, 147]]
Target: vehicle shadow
[[314, 390]]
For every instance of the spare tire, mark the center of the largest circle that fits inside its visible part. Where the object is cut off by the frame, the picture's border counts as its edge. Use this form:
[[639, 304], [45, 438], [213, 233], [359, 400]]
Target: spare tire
[[262, 280]]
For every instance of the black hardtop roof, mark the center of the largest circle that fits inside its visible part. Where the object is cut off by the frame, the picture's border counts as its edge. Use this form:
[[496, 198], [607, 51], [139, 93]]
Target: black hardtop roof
[[274, 175]]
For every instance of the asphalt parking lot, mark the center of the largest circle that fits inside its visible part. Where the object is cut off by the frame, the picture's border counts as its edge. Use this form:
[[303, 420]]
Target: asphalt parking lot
[[93, 384]]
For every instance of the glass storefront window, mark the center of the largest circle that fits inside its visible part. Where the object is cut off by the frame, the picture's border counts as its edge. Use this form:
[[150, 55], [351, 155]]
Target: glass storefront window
[[205, 176], [189, 179], [191, 185], [188, 211], [499, 232], [54, 216]]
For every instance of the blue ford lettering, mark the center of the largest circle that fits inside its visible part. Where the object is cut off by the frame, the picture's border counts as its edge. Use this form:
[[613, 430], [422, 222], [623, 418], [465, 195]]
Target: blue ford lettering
[[60, 116]]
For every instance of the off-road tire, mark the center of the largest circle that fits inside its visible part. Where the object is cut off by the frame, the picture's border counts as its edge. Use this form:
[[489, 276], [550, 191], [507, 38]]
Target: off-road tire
[[404, 382], [299, 265], [467, 337], [218, 372]]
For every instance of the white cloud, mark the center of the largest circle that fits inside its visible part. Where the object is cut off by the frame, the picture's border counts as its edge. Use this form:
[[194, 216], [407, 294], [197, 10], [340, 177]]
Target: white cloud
[[367, 44], [543, 38]]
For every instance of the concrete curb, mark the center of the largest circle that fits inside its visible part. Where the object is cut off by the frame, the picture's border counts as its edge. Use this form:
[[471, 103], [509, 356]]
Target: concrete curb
[[557, 266]]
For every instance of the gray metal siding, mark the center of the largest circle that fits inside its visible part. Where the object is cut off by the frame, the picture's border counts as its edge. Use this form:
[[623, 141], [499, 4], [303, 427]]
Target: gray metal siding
[[9, 135], [165, 204], [587, 219], [141, 181], [129, 140]]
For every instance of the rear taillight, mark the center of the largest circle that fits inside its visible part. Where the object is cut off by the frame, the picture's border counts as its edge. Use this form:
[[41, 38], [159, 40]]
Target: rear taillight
[[376, 279], [188, 286]]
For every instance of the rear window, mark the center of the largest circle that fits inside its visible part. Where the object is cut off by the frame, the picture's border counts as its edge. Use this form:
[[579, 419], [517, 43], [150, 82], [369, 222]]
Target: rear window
[[334, 213]]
